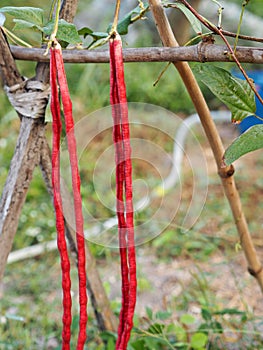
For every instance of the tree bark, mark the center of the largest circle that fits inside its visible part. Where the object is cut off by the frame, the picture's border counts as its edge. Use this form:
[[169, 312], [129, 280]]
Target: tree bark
[[25, 158]]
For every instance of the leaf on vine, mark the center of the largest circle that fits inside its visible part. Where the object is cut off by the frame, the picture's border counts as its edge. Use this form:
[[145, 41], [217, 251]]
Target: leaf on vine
[[196, 25], [66, 32], [249, 141], [20, 24], [2, 19], [235, 93], [123, 24], [28, 14], [98, 43], [95, 35]]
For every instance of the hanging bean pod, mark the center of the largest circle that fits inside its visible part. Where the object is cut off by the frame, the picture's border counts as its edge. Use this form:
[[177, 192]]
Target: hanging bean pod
[[124, 203], [56, 55]]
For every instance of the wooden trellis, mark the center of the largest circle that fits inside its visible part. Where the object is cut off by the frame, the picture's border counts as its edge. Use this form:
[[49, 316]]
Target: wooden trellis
[[32, 147]]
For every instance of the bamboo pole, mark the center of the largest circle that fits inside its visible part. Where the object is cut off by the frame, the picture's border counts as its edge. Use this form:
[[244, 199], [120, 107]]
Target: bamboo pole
[[226, 174]]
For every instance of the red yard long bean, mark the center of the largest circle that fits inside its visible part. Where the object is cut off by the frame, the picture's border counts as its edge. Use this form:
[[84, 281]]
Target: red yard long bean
[[124, 203], [61, 241], [59, 73]]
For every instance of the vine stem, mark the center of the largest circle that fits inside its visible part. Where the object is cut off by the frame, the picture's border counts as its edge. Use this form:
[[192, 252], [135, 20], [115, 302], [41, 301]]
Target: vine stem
[[239, 24], [53, 35], [213, 28], [226, 174], [52, 39], [116, 17]]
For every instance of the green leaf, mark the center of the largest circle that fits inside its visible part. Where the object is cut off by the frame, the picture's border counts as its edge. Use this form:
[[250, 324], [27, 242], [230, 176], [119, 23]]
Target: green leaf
[[217, 327], [235, 93], [206, 314], [230, 311], [249, 141], [66, 32], [29, 14], [156, 328], [99, 35], [196, 25], [123, 24], [85, 31], [179, 331], [110, 345], [163, 315], [187, 319], [97, 43], [2, 19], [20, 24], [198, 341], [149, 312], [138, 344]]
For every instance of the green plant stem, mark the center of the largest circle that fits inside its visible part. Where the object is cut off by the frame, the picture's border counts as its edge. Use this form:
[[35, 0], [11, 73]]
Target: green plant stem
[[161, 74], [53, 39], [53, 35], [141, 14], [15, 38], [116, 17], [239, 26], [52, 10], [219, 11], [226, 174]]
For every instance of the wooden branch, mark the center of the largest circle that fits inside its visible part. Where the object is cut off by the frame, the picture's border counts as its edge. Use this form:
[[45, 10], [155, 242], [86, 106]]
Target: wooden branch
[[226, 174], [9, 72], [25, 158], [68, 10], [202, 52]]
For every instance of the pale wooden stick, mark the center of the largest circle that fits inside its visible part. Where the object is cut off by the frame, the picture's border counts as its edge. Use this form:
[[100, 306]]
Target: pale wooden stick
[[226, 174]]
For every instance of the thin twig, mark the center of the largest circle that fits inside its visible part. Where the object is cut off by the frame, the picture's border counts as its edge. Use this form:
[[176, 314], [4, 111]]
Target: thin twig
[[224, 32]]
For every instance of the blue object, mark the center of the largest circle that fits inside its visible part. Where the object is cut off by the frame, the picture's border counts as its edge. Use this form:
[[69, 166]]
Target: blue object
[[257, 76]]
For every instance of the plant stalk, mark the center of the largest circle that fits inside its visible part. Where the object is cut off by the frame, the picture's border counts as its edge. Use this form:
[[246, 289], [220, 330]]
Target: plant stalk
[[116, 17], [226, 174]]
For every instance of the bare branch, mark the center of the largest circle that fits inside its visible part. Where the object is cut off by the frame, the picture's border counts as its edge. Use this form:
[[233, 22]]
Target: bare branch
[[202, 52]]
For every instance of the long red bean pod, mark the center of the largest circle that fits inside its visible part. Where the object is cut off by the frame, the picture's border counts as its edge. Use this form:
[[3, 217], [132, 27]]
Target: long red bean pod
[[61, 241], [71, 141], [124, 205]]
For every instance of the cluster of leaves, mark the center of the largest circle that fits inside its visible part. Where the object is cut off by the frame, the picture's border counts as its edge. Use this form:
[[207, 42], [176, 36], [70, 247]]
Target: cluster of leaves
[[186, 333], [33, 18]]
